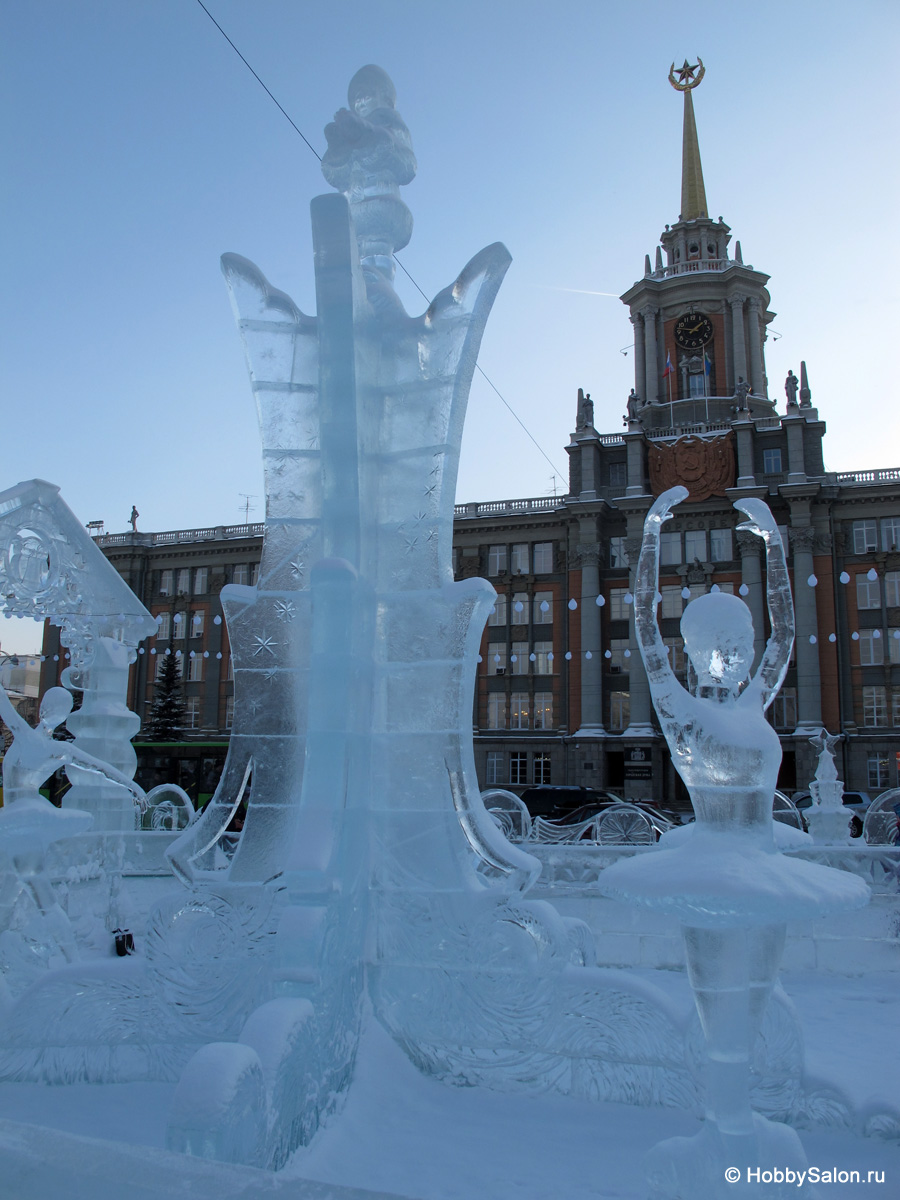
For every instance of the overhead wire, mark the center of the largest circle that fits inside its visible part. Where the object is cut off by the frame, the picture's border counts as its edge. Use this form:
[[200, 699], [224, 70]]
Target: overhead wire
[[427, 299]]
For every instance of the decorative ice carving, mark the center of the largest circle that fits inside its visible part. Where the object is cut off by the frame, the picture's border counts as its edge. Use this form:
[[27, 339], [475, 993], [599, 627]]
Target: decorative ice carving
[[29, 824], [829, 820], [730, 887], [51, 569]]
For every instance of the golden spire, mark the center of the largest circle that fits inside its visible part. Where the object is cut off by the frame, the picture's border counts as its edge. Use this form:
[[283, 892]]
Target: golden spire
[[693, 193]]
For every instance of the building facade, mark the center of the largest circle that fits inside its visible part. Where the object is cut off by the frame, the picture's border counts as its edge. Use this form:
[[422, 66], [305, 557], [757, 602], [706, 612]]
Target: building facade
[[561, 693]]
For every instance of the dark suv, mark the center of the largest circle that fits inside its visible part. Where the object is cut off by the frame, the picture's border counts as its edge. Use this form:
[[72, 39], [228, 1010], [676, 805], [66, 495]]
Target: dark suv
[[547, 800]]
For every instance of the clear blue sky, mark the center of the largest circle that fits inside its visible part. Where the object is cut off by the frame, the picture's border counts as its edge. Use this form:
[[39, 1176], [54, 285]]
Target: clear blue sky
[[138, 148]]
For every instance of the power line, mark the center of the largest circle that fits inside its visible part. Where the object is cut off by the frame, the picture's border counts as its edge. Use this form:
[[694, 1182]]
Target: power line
[[256, 77], [396, 259]]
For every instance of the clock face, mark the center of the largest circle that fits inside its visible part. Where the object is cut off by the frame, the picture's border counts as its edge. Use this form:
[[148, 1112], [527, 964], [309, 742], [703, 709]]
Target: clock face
[[693, 330]]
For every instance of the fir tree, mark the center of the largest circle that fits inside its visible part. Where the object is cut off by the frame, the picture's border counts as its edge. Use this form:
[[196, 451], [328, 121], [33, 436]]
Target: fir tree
[[167, 714]]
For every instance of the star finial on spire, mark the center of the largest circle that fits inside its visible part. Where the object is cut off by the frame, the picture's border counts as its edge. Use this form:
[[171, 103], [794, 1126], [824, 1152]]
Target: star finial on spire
[[687, 77]]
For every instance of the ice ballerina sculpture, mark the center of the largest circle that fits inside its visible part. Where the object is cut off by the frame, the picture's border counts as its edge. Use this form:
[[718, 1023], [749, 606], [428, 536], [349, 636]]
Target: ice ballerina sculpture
[[732, 891], [29, 823]]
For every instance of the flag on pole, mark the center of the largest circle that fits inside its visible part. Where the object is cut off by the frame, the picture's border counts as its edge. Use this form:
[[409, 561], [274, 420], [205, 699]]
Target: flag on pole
[[670, 370], [707, 364]]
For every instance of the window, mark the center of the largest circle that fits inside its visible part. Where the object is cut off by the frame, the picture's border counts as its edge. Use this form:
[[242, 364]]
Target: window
[[240, 574], [195, 668], [670, 548], [519, 559], [874, 707], [518, 661], [518, 767], [542, 768], [498, 612], [164, 630], [543, 710], [496, 559], [865, 536], [197, 623], [618, 475], [783, 712], [893, 641], [618, 609], [496, 710], [892, 589], [868, 592], [696, 384], [520, 608], [496, 658], [160, 663], [672, 604], [192, 712], [617, 555], [879, 771], [720, 545], [890, 533], [676, 654], [254, 574], [543, 608], [183, 586], [519, 710], [617, 648], [200, 581], [165, 582], [229, 711], [895, 713], [726, 588], [619, 710], [772, 461], [543, 558], [543, 664], [695, 545], [494, 767], [871, 648], [180, 622], [456, 560]]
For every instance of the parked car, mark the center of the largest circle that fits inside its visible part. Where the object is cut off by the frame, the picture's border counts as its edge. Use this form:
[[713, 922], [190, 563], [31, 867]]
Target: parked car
[[546, 800]]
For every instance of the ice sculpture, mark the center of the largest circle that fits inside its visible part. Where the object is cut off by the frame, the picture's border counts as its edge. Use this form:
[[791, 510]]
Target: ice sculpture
[[829, 820], [731, 889], [29, 824], [50, 569], [355, 655]]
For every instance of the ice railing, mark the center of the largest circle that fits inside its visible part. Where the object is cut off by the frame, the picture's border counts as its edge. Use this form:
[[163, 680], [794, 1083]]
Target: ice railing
[[575, 867]]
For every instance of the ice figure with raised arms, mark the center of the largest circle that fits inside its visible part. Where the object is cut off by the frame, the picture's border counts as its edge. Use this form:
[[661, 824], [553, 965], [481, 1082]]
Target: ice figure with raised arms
[[29, 823], [732, 891]]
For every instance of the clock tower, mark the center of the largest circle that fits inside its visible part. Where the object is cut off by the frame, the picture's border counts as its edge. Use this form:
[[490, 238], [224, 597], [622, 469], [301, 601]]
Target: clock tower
[[699, 315]]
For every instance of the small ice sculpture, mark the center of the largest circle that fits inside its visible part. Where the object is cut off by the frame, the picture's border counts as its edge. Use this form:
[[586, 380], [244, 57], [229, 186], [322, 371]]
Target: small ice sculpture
[[730, 887], [29, 823], [829, 820], [50, 569]]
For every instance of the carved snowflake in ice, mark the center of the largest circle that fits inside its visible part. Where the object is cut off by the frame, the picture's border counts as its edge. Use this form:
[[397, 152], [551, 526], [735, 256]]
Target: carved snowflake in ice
[[285, 610], [298, 568], [264, 643]]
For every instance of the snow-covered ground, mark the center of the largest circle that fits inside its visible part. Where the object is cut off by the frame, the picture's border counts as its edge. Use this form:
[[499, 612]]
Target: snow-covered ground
[[405, 1135]]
